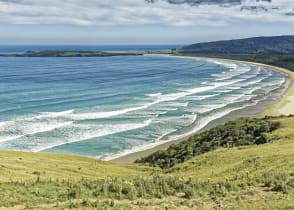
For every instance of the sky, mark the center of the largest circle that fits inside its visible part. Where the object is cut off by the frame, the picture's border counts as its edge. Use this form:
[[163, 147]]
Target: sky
[[125, 22]]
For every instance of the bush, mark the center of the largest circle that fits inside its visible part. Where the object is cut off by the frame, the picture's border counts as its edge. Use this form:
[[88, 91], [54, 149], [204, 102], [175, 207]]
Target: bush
[[280, 187], [244, 131], [189, 193]]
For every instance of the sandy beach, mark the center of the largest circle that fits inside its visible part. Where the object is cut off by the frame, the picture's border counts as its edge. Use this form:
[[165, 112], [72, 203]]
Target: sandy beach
[[283, 106]]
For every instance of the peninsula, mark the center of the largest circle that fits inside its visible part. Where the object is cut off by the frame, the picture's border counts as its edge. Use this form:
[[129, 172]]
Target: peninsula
[[56, 53]]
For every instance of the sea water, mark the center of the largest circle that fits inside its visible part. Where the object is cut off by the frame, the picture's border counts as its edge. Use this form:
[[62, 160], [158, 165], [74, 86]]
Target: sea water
[[105, 107]]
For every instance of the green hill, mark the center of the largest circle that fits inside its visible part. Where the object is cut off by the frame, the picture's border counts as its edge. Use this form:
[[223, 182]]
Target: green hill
[[242, 177], [255, 45], [276, 50]]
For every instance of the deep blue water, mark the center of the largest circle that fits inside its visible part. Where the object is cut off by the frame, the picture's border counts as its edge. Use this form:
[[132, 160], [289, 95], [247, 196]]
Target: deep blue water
[[108, 106]]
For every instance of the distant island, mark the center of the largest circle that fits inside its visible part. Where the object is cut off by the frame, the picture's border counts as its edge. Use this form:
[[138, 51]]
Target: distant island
[[57, 53]]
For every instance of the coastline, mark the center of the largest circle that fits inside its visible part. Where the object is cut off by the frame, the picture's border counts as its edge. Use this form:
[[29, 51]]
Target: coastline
[[283, 105]]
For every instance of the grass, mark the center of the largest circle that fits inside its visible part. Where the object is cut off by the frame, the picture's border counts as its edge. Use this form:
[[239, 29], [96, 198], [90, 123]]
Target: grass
[[247, 177], [236, 133], [17, 166], [254, 159]]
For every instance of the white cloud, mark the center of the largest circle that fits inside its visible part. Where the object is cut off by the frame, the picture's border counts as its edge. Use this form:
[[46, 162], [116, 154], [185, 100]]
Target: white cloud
[[120, 12]]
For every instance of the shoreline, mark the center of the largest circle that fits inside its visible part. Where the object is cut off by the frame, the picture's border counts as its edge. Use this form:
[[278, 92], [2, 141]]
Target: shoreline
[[282, 105]]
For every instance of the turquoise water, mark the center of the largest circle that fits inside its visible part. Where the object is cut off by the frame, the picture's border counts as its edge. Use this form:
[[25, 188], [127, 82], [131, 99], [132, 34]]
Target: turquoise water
[[110, 106]]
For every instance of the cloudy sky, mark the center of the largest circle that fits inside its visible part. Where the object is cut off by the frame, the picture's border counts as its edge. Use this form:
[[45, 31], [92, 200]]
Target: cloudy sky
[[141, 21]]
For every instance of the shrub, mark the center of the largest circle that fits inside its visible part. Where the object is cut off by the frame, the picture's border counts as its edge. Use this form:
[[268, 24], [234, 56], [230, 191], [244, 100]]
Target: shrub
[[189, 193], [244, 131]]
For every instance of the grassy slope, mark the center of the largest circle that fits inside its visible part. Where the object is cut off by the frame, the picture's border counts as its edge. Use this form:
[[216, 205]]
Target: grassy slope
[[253, 161], [17, 166], [237, 133], [248, 167]]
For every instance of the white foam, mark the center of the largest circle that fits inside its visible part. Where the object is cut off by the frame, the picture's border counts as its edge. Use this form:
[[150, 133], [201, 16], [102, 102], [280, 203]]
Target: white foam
[[86, 132], [154, 95], [242, 98], [157, 142], [231, 74], [166, 109], [202, 123], [3, 124], [283, 81], [228, 100], [17, 130], [9, 138], [215, 61], [201, 109], [160, 98], [178, 104], [201, 97], [194, 117], [98, 115], [214, 86], [226, 64], [54, 114], [256, 81], [186, 118], [252, 90], [223, 91], [30, 124]]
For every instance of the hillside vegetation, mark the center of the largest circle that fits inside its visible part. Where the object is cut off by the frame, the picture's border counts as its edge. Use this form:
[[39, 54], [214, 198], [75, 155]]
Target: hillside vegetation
[[255, 45], [255, 176], [276, 51], [232, 134]]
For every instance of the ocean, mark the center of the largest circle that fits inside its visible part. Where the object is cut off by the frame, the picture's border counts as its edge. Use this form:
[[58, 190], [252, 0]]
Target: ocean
[[106, 107]]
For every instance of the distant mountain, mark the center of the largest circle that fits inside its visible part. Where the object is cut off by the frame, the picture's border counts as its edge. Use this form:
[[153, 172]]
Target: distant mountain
[[249, 46]]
